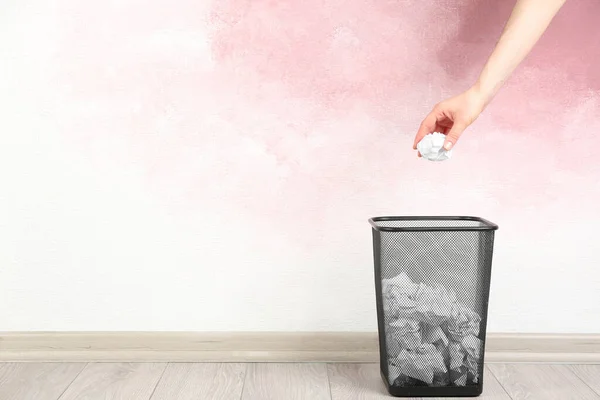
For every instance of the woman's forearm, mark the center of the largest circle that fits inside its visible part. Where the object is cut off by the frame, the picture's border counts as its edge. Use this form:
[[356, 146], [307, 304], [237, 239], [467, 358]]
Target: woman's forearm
[[527, 23]]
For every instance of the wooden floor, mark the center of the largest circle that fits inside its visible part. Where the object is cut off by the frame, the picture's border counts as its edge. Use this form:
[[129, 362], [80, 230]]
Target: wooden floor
[[181, 381]]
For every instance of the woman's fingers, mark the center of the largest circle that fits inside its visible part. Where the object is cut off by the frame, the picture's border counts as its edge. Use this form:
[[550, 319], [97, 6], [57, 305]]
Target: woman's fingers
[[454, 134], [427, 127]]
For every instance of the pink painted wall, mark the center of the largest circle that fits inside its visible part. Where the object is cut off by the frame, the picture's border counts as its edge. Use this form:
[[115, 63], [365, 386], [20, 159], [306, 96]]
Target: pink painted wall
[[285, 124]]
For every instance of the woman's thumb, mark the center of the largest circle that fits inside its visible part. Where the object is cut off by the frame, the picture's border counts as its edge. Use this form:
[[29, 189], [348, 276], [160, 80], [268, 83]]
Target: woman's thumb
[[454, 134]]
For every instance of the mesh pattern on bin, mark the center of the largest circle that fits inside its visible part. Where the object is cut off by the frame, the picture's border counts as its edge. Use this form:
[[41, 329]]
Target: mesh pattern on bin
[[435, 288]]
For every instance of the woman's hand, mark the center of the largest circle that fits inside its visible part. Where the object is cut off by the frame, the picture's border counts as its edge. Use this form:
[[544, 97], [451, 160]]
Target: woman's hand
[[451, 117], [526, 24]]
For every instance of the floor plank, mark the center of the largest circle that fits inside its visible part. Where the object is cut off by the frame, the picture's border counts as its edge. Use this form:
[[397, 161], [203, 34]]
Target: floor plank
[[189, 381], [286, 382], [364, 382], [492, 389], [115, 381], [356, 382], [192, 381], [36, 381], [543, 382], [590, 374]]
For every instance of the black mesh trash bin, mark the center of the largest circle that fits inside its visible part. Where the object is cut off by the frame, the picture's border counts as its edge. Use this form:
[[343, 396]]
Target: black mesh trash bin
[[432, 281]]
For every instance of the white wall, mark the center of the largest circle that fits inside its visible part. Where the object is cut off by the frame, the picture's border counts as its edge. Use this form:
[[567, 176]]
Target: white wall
[[91, 240], [86, 248]]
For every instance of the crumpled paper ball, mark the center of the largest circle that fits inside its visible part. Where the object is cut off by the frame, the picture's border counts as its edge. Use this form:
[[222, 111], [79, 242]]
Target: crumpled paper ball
[[430, 305], [464, 357], [431, 147], [434, 304], [403, 282], [434, 334], [464, 322], [407, 333], [422, 363], [398, 294]]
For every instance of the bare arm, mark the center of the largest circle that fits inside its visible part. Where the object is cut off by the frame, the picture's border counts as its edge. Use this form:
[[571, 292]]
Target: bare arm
[[528, 21]]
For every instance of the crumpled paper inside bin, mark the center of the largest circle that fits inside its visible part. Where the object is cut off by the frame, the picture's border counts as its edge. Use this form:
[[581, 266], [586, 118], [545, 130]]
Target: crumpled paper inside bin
[[432, 338]]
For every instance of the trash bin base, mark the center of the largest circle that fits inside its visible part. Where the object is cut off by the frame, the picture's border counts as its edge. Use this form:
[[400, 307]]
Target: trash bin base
[[426, 391]]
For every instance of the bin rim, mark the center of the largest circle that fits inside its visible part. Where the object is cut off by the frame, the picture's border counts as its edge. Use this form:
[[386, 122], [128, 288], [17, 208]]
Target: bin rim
[[485, 224]]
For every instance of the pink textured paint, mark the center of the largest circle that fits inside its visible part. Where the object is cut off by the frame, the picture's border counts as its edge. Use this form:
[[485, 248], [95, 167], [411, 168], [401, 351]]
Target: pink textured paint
[[286, 109], [337, 51], [564, 48]]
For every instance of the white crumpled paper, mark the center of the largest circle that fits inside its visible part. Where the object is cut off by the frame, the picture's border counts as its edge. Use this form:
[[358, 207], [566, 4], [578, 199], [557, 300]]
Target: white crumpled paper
[[422, 363], [407, 333], [431, 147], [431, 336], [398, 293]]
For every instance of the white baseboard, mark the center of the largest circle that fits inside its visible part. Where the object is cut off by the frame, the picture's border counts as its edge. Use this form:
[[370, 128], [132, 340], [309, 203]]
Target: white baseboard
[[269, 347]]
